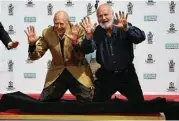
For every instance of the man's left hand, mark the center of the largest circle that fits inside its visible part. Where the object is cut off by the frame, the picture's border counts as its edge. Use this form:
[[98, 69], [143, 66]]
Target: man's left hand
[[73, 36], [122, 21]]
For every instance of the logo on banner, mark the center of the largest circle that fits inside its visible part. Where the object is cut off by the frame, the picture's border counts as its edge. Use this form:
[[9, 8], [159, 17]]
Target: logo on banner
[[10, 86], [150, 38], [150, 2], [49, 26], [96, 4], [50, 9], [150, 76], [29, 60], [30, 75], [172, 5], [109, 2], [150, 18], [172, 28], [10, 9], [89, 9], [11, 30], [72, 18], [171, 66], [149, 59], [171, 46], [48, 64], [130, 8], [172, 87], [30, 3], [30, 19], [69, 3], [10, 65]]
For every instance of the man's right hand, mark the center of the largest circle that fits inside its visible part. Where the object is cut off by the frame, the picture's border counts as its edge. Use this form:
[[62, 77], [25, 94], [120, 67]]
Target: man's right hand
[[89, 27], [31, 35]]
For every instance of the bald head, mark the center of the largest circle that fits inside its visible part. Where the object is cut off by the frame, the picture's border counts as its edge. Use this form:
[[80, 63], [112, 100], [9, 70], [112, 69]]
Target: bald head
[[61, 14], [106, 7], [61, 21], [105, 16]]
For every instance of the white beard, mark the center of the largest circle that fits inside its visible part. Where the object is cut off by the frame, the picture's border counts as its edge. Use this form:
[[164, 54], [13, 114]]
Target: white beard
[[106, 25]]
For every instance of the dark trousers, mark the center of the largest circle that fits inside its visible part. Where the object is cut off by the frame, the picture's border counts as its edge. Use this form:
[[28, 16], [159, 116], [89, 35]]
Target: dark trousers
[[124, 81], [66, 81]]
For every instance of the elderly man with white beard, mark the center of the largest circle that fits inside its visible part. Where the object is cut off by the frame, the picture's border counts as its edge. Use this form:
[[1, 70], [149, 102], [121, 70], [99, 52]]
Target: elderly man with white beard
[[113, 41]]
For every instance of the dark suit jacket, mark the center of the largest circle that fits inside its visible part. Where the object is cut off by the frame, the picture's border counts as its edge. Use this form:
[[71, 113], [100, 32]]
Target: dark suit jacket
[[120, 44], [4, 36]]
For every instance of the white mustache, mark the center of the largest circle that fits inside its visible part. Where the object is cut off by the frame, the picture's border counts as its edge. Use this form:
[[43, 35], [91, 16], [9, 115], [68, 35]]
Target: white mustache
[[106, 25]]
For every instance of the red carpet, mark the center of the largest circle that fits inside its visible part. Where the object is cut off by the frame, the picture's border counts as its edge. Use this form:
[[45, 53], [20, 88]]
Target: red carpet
[[10, 114]]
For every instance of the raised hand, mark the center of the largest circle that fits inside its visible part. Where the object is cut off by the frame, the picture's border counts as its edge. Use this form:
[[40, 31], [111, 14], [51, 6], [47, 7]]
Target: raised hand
[[73, 36], [31, 35], [89, 27], [122, 21]]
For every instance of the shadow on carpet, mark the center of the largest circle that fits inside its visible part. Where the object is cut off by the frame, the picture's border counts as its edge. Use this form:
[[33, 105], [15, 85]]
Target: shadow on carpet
[[27, 104]]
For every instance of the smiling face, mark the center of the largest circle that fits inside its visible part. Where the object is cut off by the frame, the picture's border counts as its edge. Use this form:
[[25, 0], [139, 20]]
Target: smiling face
[[105, 16], [61, 20]]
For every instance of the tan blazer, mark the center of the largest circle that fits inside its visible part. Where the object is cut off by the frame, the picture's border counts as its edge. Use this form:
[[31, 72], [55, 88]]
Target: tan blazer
[[75, 61]]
